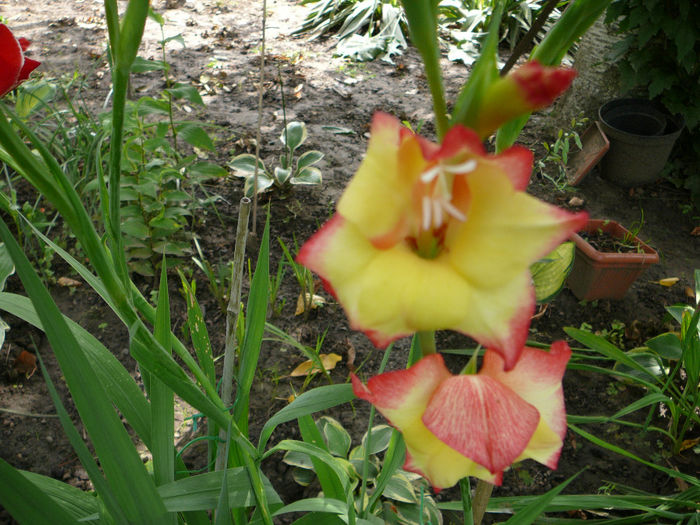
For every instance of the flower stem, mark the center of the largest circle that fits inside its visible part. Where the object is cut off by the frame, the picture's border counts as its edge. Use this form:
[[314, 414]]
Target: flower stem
[[465, 489], [427, 342], [481, 500]]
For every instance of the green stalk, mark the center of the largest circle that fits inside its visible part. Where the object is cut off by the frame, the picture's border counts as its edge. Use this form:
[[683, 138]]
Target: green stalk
[[465, 491], [422, 23]]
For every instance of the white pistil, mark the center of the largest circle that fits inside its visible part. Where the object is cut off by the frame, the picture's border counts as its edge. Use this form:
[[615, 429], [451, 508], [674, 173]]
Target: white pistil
[[426, 213]]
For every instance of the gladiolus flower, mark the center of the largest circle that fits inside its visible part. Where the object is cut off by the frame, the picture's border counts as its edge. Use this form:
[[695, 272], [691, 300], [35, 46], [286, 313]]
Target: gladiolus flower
[[431, 237], [14, 66], [475, 425]]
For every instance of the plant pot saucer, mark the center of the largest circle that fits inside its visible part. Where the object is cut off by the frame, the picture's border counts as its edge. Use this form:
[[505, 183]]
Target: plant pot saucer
[[595, 145]]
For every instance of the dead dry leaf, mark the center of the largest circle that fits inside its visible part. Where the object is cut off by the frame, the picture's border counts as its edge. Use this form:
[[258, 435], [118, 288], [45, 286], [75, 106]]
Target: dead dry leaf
[[695, 231], [308, 368], [689, 443], [25, 363], [689, 292], [350, 361], [576, 202], [68, 282], [313, 300], [668, 281]]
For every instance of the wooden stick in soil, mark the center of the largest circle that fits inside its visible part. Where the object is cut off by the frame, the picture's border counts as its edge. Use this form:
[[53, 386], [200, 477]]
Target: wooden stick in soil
[[260, 108], [232, 314]]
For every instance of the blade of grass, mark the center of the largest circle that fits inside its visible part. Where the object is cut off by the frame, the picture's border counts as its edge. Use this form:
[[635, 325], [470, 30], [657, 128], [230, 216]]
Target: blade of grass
[[537, 507]]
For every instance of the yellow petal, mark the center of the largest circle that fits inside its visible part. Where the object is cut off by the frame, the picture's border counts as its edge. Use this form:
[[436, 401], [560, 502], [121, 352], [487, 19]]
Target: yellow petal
[[378, 197]]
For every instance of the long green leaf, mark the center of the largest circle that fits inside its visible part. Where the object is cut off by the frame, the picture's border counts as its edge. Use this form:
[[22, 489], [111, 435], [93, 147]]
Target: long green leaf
[[110, 373], [26, 502], [82, 451], [330, 483], [256, 312], [613, 448], [537, 507], [315, 400], [202, 492], [324, 504], [123, 467], [162, 398], [78, 503]]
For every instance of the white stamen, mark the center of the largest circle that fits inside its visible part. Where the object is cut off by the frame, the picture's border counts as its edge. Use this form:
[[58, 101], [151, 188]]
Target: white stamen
[[452, 210], [430, 174], [465, 167], [426, 213]]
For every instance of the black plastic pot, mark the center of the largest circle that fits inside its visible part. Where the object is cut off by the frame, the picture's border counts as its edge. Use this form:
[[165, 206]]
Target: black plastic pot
[[641, 136]]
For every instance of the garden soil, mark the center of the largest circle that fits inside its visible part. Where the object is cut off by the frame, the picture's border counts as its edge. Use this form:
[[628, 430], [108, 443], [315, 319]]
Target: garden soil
[[336, 99]]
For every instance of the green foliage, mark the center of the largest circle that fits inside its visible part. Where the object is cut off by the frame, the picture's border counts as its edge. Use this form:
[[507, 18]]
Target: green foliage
[[466, 22], [553, 165], [549, 273], [660, 53], [667, 366], [365, 29], [303, 172], [404, 498]]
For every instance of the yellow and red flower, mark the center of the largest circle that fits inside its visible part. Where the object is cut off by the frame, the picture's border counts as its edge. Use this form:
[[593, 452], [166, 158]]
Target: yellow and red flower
[[475, 425], [14, 66], [437, 236]]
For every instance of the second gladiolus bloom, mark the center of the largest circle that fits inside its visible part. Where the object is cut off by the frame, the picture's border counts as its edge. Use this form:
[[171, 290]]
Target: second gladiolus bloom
[[14, 66], [437, 236], [475, 425]]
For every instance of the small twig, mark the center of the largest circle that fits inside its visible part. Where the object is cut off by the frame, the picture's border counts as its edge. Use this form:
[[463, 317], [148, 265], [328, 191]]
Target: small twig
[[527, 42], [260, 109], [232, 315]]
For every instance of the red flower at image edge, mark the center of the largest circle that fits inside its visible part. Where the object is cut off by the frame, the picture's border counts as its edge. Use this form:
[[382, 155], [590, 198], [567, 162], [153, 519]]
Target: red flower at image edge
[[14, 66]]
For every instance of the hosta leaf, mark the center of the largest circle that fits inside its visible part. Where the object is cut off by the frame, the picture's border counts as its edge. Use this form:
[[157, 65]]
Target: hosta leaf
[[308, 158], [550, 273], [337, 438], [282, 175], [308, 176], [297, 459], [381, 435], [244, 165], [399, 488], [264, 182], [294, 135]]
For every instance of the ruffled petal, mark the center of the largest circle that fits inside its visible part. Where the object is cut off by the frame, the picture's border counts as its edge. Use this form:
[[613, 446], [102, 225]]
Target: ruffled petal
[[11, 60], [378, 197], [386, 293], [506, 231], [526, 89], [499, 317], [536, 378], [402, 396], [482, 419]]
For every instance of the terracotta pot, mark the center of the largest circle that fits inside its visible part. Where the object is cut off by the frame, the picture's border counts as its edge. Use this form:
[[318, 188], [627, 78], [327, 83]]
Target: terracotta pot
[[601, 275]]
